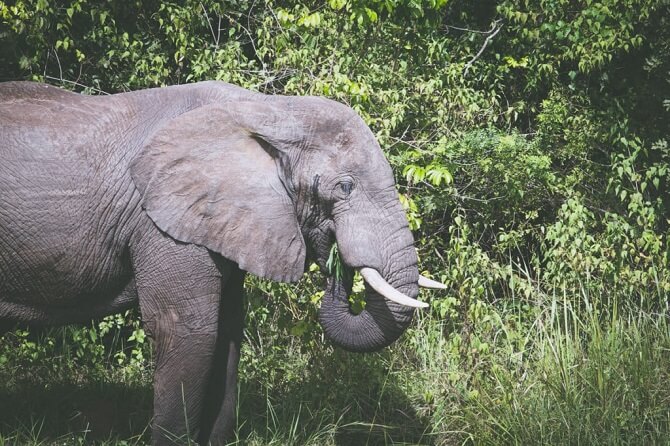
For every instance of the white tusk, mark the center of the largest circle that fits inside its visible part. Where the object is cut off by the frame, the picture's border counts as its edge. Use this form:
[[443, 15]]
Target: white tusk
[[425, 282], [375, 280]]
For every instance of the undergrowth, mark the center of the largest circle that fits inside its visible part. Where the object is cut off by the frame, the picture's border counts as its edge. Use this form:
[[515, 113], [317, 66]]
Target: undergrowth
[[569, 375], [529, 140]]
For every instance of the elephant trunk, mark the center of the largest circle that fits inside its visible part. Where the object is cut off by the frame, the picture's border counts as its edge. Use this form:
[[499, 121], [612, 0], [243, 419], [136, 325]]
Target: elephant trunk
[[380, 323]]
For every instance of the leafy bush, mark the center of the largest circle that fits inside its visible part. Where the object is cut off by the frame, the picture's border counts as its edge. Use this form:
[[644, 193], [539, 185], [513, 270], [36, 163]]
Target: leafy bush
[[530, 144]]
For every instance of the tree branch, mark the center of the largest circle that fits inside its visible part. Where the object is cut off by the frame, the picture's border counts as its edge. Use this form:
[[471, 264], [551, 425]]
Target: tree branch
[[495, 29], [215, 37], [76, 84]]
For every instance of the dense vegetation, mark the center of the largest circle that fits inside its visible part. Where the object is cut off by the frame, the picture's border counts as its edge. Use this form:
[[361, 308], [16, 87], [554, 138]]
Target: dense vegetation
[[530, 143]]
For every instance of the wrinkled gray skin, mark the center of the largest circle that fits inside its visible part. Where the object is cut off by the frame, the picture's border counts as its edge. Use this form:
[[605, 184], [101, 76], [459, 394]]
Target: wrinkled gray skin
[[167, 197]]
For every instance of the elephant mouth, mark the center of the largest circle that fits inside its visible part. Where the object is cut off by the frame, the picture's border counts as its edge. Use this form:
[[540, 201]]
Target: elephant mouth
[[386, 313], [339, 271], [360, 328], [381, 286]]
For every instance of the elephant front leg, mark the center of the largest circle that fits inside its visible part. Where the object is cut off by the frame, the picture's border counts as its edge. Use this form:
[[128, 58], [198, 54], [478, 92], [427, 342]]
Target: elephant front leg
[[179, 290], [221, 406], [183, 365]]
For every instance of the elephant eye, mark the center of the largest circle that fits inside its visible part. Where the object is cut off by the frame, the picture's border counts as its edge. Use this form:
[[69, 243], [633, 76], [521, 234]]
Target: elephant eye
[[346, 187]]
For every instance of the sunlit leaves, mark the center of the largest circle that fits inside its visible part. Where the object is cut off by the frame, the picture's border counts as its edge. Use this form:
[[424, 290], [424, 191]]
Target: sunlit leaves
[[503, 173], [433, 173], [412, 211]]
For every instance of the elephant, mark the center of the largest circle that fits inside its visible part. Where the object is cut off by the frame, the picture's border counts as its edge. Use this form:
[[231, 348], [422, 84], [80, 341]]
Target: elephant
[[166, 197]]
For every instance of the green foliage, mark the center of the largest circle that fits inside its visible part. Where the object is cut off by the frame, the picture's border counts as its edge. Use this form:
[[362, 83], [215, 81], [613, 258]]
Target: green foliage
[[334, 263], [116, 342], [530, 144], [583, 383], [338, 270]]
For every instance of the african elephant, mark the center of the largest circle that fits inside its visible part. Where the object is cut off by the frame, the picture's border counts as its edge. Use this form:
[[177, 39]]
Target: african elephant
[[166, 197]]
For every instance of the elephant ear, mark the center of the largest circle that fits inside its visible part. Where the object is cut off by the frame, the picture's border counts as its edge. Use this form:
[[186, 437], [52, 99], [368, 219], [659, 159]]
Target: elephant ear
[[211, 177]]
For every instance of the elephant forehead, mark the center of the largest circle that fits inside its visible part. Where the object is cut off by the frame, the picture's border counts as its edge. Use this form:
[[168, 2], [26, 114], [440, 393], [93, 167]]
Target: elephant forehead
[[357, 145], [365, 162]]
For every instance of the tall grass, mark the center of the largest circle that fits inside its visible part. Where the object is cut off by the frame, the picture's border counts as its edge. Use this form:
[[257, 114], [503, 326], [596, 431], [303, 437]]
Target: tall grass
[[567, 370], [584, 381]]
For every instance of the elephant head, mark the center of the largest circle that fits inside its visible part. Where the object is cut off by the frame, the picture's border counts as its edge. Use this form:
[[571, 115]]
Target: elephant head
[[272, 181]]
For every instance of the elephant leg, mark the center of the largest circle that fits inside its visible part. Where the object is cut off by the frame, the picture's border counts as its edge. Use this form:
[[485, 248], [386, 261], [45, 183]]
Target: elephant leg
[[223, 384], [179, 290]]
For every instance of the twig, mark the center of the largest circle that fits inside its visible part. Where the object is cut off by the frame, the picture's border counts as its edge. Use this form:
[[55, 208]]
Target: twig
[[251, 38], [495, 29], [81, 70], [467, 30], [218, 31], [215, 37], [437, 253], [253, 43], [60, 73], [75, 83], [60, 68]]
